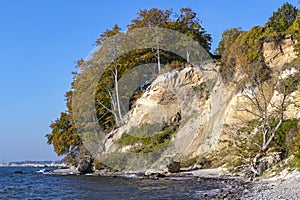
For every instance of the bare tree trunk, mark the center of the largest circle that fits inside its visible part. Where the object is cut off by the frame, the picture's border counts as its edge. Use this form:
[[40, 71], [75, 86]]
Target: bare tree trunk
[[273, 132], [187, 55], [158, 56], [117, 94], [116, 99], [270, 118], [253, 165]]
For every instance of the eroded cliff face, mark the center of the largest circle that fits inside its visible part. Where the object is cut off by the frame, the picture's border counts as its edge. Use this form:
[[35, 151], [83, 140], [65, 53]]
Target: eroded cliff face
[[278, 53], [192, 99], [199, 104]]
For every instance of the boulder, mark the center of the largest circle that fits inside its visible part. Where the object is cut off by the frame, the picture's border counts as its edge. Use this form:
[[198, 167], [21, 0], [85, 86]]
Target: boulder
[[174, 167], [85, 166]]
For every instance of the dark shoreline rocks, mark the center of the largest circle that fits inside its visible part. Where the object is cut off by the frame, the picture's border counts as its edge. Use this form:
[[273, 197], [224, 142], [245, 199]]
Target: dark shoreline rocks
[[174, 167], [230, 187], [85, 166], [18, 172]]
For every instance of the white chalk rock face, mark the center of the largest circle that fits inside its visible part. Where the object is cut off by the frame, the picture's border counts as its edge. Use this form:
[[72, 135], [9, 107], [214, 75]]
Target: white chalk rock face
[[192, 99]]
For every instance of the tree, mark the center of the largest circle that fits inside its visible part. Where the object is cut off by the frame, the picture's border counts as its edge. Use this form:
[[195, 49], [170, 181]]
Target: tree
[[63, 136], [185, 22], [283, 18], [296, 32], [188, 23], [262, 127], [108, 33], [108, 104], [112, 88], [108, 101], [228, 38], [264, 96], [268, 114], [151, 18], [239, 49]]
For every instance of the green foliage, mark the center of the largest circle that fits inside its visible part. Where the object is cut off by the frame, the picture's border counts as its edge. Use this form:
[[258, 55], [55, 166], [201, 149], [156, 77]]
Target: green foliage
[[202, 90], [187, 161], [108, 33], [250, 44], [63, 136], [176, 64], [282, 19], [285, 21], [106, 85], [295, 31], [202, 161], [185, 22], [294, 64], [285, 133], [281, 141], [143, 143], [292, 82], [228, 38], [240, 150], [295, 163], [295, 149], [242, 51]]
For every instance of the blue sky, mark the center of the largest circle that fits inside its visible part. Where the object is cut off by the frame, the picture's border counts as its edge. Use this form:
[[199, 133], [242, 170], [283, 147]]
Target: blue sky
[[42, 39]]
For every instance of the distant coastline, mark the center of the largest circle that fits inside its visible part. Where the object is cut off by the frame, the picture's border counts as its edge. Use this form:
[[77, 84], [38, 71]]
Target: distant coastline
[[34, 164]]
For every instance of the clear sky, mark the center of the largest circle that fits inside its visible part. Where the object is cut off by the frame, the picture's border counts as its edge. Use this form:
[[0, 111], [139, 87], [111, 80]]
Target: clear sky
[[41, 40]]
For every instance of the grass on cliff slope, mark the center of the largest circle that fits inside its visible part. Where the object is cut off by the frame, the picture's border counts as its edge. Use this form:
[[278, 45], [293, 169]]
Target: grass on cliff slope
[[141, 142], [295, 151]]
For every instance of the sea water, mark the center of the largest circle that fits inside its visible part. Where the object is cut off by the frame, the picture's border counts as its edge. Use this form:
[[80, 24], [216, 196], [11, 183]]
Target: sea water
[[36, 183]]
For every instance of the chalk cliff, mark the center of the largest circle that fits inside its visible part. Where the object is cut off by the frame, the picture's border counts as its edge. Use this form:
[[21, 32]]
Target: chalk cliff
[[198, 104]]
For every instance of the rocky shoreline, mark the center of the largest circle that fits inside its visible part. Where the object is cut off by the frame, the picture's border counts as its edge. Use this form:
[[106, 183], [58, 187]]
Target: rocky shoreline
[[234, 185], [216, 173], [283, 186]]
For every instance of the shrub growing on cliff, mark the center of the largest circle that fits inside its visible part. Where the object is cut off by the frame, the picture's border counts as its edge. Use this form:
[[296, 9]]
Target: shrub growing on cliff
[[142, 142], [296, 151], [241, 51], [295, 30], [282, 19], [240, 48]]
